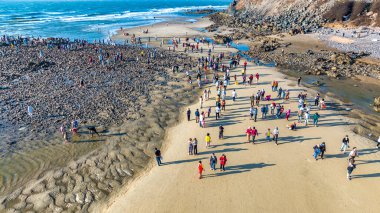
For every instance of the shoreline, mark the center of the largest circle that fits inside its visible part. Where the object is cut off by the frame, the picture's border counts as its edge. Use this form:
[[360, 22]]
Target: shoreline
[[178, 182]]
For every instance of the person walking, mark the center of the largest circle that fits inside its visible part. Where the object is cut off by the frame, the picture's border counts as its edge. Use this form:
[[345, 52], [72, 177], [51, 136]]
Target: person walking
[[345, 144], [378, 143], [188, 113], [191, 146], [317, 151], [323, 149], [353, 154], [223, 162], [213, 161], [208, 140], [299, 81], [221, 132], [200, 169], [315, 119], [195, 146], [201, 101], [157, 153], [276, 132], [350, 168]]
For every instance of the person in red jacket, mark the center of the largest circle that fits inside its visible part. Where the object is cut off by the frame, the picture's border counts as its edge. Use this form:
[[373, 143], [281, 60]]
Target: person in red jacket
[[254, 133], [200, 169], [223, 161], [257, 78]]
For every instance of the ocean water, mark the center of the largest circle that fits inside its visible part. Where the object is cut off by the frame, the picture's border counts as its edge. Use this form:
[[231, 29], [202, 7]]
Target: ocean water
[[92, 19]]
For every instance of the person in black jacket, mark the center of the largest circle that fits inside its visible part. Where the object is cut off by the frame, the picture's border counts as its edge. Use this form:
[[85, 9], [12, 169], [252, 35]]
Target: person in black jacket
[[345, 144], [188, 113], [157, 152], [322, 147]]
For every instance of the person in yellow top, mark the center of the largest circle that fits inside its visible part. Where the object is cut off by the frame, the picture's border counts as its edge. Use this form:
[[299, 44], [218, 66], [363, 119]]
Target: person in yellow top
[[267, 134], [208, 140]]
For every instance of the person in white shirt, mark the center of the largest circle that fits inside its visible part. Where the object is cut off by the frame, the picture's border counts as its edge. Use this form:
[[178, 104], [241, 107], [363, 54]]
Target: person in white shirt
[[378, 143], [234, 95], [276, 132], [217, 113], [306, 116]]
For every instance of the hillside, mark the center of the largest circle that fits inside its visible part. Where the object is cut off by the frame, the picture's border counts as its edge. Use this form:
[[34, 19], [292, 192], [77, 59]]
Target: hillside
[[350, 12]]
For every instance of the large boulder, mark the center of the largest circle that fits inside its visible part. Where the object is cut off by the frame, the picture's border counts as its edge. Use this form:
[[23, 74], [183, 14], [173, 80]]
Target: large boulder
[[376, 104]]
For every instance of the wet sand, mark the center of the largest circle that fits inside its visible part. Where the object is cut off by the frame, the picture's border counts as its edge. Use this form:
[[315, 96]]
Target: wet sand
[[257, 176]]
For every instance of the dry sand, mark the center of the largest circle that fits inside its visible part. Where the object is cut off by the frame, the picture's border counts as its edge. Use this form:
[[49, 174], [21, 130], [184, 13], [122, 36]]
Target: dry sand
[[261, 177]]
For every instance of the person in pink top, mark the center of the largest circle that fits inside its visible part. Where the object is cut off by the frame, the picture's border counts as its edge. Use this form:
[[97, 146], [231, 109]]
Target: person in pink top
[[254, 133], [287, 115], [257, 77], [249, 133]]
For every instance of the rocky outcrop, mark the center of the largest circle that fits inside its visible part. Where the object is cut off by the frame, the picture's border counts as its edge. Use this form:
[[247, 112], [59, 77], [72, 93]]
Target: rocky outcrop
[[376, 104]]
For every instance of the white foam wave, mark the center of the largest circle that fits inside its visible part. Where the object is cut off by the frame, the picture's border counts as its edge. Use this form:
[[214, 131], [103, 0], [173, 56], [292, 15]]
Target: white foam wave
[[148, 14]]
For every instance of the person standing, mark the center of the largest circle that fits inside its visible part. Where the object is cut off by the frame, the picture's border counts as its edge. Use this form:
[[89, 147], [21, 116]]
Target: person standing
[[248, 132], [213, 161], [208, 140], [200, 169], [191, 146], [299, 81], [217, 113], [223, 162], [287, 115], [188, 113], [350, 168], [254, 133], [323, 149], [255, 111], [234, 95], [157, 153], [276, 132], [209, 112], [195, 146], [201, 101], [251, 112], [221, 132], [306, 116], [378, 143], [267, 134], [197, 114], [315, 119], [345, 144]]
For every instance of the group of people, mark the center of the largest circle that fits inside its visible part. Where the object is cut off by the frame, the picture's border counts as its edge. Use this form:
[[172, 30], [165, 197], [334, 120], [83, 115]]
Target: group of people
[[213, 162]]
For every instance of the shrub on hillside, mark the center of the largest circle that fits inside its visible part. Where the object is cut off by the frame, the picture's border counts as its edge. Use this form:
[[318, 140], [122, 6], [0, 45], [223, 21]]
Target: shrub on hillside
[[339, 10]]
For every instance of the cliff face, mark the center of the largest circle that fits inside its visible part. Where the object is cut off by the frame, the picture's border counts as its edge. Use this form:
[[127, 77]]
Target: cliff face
[[355, 12]]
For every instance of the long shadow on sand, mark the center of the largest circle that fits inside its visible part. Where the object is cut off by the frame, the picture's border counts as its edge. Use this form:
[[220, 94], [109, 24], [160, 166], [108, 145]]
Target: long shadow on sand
[[362, 152], [239, 169], [374, 175], [183, 161]]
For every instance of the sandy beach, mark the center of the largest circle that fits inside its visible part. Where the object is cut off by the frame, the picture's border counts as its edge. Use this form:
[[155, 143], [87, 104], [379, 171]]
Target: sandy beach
[[263, 176]]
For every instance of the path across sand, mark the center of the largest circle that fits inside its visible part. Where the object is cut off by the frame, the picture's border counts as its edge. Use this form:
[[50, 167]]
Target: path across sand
[[261, 177]]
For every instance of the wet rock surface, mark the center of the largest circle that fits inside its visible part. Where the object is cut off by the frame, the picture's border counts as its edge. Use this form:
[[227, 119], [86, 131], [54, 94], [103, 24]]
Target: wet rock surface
[[133, 100], [113, 91]]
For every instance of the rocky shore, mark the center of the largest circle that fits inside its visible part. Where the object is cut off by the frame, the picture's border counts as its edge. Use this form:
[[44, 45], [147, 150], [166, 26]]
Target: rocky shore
[[130, 93]]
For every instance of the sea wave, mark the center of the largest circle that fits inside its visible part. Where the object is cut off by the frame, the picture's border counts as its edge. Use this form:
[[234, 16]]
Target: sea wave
[[128, 14]]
